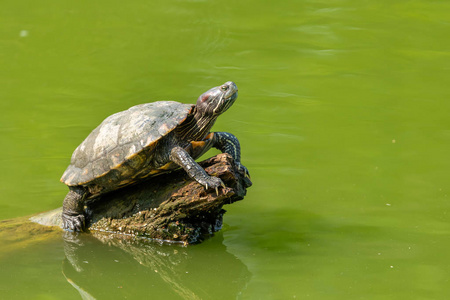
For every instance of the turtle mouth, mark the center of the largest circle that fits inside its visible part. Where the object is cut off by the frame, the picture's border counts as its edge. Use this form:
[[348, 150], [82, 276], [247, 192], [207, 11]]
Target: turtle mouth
[[231, 97], [226, 102]]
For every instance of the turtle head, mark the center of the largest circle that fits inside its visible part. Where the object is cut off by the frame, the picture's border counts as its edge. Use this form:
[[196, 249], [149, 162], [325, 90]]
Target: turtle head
[[218, 99]]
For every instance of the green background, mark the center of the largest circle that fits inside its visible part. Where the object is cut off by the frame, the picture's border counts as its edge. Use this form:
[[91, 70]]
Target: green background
[[342, 116]]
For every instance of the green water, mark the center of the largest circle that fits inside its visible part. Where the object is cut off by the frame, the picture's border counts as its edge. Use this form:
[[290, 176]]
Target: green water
[[342, 116]]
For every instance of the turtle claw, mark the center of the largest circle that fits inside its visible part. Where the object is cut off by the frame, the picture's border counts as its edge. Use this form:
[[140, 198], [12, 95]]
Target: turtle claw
[[244, 170], [74, 223], [247, 179], [213, 183]]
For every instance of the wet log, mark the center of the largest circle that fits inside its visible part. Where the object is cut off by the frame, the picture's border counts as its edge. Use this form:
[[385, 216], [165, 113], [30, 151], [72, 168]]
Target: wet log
[[170, 207]]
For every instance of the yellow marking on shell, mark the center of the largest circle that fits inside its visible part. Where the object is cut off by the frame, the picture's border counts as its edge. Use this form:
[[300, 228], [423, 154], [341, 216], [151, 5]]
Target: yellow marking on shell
[[163, 129], [161, 169], [127, 172], [68, 179], [125, 182], [166, 166], [131, 151], [149, 141], [131, 156]]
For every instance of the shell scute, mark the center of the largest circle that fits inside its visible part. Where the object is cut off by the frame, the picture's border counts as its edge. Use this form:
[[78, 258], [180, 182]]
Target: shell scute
[[123, 143]]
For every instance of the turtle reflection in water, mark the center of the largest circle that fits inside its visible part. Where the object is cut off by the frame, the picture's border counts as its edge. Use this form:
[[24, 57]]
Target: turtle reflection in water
[[144, 141]]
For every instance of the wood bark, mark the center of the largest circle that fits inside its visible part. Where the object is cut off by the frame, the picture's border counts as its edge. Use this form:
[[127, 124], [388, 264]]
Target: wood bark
[[170, 207]]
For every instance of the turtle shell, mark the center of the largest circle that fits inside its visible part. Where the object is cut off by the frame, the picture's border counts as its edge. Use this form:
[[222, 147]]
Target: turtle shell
[[121, 138]]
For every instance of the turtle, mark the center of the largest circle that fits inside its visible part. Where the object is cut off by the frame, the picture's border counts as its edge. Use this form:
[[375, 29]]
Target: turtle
[[145, 141]]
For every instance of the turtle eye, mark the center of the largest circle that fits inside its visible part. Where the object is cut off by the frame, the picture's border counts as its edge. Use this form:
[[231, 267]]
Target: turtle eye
[[224, 87]]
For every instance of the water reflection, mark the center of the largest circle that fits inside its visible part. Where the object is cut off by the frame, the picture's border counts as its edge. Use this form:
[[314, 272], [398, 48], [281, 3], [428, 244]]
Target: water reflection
[[100, 266]]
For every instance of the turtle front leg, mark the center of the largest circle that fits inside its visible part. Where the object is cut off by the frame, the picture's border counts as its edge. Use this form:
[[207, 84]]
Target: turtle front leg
[[182, 158], [73, 206], [228, 143]]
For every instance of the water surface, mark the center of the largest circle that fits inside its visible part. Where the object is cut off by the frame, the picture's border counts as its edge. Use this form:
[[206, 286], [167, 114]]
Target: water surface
[[342, 116]]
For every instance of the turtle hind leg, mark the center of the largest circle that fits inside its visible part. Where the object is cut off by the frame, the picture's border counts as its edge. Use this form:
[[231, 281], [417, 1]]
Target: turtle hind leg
[[73, 206]]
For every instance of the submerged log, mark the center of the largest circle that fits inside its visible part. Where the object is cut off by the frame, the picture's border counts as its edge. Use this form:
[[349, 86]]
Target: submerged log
[[169, 207]]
